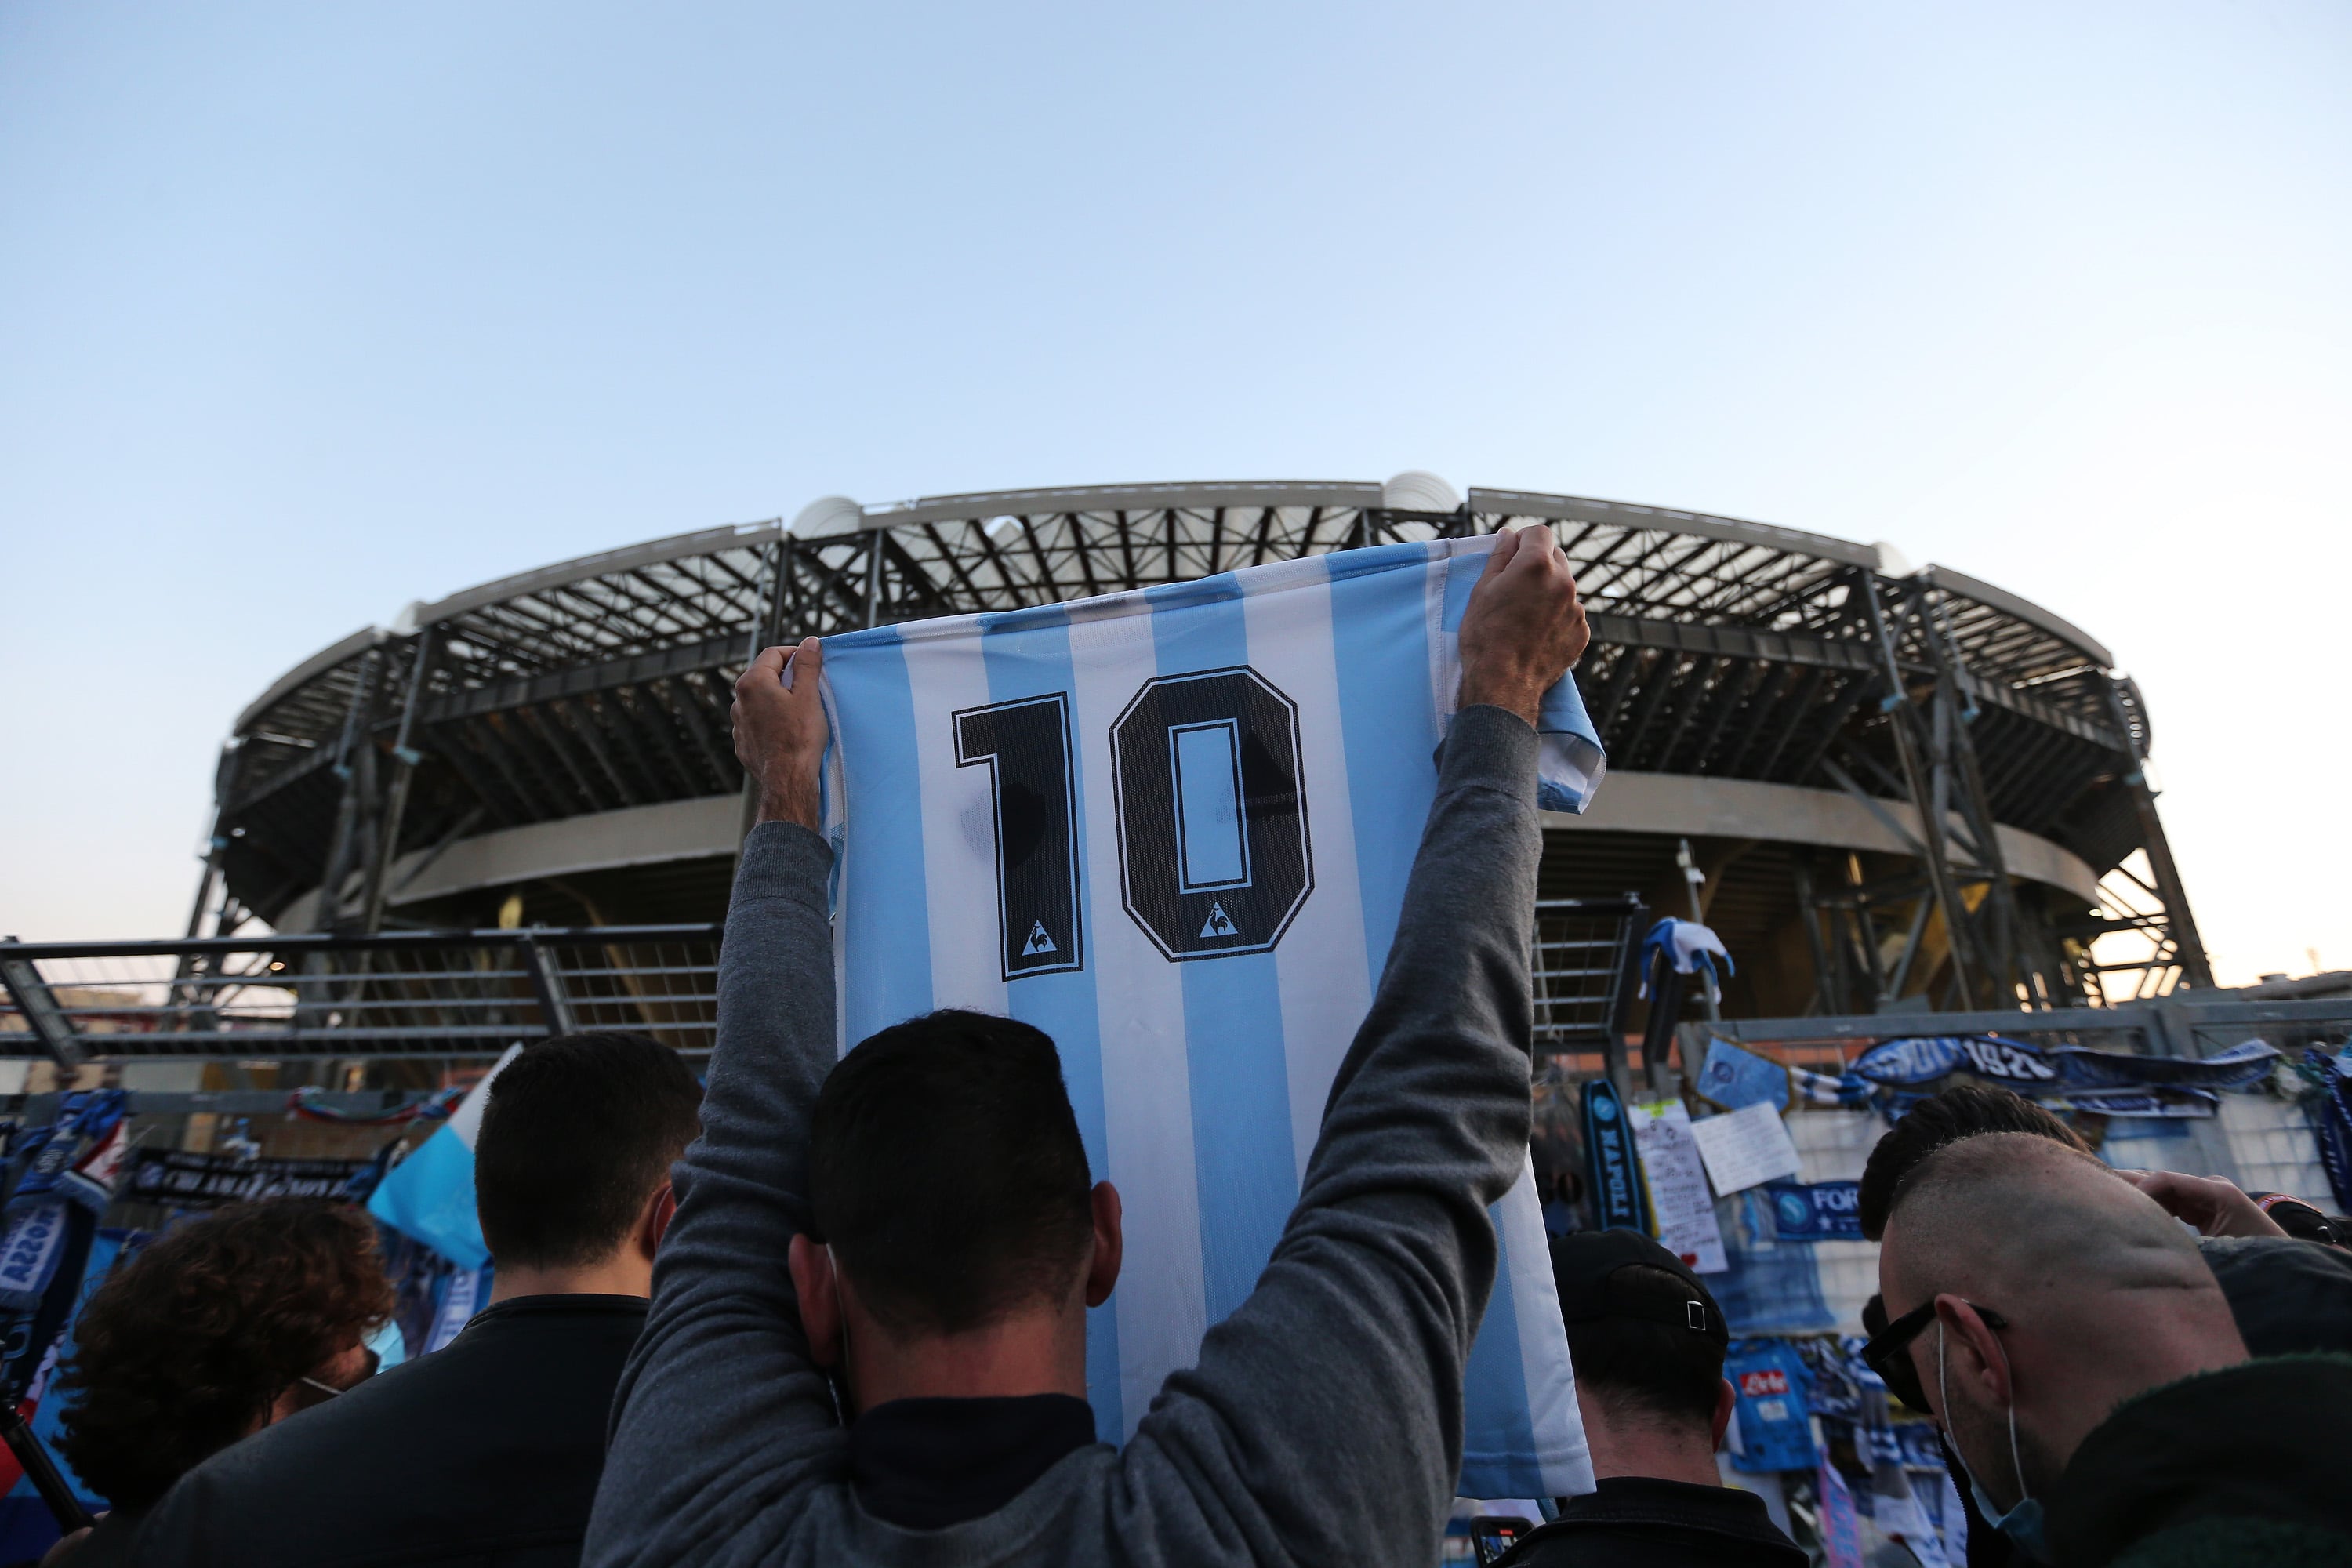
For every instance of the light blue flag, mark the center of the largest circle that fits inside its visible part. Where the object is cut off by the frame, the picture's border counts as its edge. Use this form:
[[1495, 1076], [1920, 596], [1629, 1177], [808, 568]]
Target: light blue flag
[[1235, 770], [430, 1195]]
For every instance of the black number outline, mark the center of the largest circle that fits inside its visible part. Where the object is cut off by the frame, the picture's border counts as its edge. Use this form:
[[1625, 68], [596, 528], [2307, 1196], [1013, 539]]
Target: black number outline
[[1008, 944], [1179, 951]]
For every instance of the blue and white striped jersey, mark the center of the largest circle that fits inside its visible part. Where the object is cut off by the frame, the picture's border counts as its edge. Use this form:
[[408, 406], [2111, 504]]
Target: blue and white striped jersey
[[1173, 828]]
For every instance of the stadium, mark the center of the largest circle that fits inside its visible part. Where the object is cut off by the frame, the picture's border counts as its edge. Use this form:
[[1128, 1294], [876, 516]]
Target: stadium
[[1895, 789]]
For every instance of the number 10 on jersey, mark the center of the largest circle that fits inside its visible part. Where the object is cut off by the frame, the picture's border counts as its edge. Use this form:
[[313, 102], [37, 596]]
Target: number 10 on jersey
[[1214, 857]]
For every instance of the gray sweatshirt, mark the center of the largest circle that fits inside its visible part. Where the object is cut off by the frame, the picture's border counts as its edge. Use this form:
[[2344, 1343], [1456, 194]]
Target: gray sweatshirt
[[1323, 1421]]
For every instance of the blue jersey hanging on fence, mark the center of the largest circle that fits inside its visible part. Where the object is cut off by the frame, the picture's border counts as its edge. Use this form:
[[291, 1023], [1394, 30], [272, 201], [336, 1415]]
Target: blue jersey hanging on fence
[[1173, 828], [1769, 1380]]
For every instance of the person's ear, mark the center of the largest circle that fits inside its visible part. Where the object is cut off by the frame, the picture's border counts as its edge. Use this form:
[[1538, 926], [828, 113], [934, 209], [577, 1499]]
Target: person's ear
[[1726, 1401], [652, 1221], [1110, 1243], [1974, 1358], [820, 1298]]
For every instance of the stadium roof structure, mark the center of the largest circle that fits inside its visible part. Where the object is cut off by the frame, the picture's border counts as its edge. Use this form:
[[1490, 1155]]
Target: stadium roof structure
[[1943, 778]]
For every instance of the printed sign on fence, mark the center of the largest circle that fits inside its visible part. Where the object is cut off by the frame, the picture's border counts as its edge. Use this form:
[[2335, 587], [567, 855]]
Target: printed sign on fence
[[1821, 1211]]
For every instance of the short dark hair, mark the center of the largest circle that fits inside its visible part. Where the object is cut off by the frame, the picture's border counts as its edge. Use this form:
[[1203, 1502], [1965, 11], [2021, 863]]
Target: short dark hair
[[189, 1342], [947, 1173], [578, 1131], [1941, 1120], [1661, 1369]]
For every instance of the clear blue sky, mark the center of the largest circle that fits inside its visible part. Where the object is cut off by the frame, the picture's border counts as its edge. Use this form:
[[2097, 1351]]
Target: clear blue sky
[[310, 310]]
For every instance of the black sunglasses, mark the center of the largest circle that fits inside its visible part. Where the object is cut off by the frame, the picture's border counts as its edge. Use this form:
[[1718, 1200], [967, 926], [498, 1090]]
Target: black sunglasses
[[1883, 1354]]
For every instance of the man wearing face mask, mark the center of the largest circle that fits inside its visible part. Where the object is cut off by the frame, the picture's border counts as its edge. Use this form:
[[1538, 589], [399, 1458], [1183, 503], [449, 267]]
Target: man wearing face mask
[[2084, 1366]]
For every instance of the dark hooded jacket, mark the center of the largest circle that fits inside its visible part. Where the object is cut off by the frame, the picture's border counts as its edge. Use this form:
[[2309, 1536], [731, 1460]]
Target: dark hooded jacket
[[2244, 1464]]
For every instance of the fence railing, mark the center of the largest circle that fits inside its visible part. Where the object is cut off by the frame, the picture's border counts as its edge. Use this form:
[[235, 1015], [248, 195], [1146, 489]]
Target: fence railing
[[2184, 1023], [1585, 950], [454, 994], [422, 994]]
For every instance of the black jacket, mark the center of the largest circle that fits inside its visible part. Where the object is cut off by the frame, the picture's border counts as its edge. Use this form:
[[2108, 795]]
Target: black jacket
[[485, 1452], [2244, 1464], [1635, 1521], [113, 1544], [2288, 1297]]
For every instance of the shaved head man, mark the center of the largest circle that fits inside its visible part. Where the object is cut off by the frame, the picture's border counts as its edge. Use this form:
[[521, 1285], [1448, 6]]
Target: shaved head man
[[2075, 1349], [2053, 1292]]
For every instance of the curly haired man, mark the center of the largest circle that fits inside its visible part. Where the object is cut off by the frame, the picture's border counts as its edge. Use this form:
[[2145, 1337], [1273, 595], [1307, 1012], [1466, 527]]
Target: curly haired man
[[216, 1330]]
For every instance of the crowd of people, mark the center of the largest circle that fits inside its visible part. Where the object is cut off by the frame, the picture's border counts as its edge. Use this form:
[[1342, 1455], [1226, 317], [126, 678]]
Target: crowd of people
[[819, 1311]]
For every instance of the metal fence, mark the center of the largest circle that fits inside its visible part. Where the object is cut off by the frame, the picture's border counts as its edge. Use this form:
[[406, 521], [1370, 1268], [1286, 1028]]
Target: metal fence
[[1584, 971], [2184, 1024], [456, 993], [436, 994]]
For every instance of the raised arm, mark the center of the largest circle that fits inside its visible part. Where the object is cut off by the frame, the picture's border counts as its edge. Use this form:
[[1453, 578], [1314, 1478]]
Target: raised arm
[[720, 1407], [1329, 1409]]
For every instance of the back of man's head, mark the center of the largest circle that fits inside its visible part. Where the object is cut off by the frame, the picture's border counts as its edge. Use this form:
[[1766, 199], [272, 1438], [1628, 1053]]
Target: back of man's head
[[1644, 1336], [578, 1133], [1941, 1120], [946, 1174], [2059, 1291], [2054, 1240]]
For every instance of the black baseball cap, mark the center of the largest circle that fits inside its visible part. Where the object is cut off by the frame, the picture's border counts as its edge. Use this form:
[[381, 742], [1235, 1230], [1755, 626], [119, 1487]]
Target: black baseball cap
[[1585, 1268]]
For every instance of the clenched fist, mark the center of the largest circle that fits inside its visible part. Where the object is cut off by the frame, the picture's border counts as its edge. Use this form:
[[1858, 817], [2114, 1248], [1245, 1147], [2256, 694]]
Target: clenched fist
[[1525, 626], [780, 730]]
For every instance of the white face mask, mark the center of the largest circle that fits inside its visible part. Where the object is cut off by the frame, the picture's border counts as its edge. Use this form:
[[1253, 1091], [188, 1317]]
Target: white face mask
[[2023, 1523]]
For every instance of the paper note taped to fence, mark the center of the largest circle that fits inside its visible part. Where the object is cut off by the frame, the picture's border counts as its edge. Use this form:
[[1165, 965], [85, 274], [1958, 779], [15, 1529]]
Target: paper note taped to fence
[[1745, 1149]]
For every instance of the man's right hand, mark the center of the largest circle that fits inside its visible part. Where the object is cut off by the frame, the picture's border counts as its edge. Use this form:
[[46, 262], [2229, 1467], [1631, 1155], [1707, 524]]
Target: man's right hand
[[780, 732], [1525, 626]]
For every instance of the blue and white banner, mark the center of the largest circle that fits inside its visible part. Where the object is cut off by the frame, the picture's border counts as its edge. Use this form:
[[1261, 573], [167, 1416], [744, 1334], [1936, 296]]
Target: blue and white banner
[[2062, 1069], [1815, 1211], [2187, 1103], [2012, 1063], [1732, 1077], [430, 1195], [2331, 1119], [1173, 828], [44, 1413], [63, 1178], [2240, 1066]]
